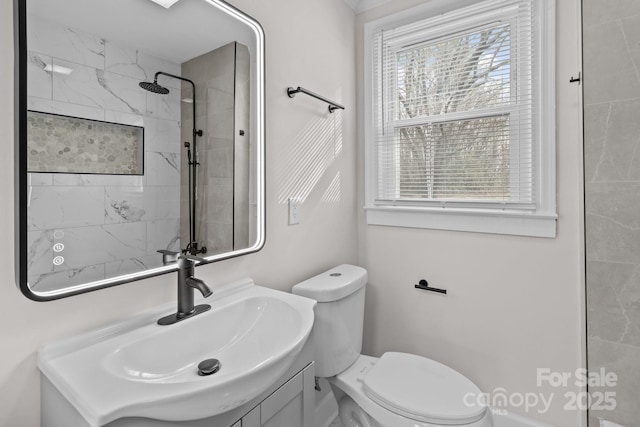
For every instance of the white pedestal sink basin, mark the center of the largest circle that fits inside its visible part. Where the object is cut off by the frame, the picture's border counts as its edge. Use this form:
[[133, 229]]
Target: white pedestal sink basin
[[140, 369]]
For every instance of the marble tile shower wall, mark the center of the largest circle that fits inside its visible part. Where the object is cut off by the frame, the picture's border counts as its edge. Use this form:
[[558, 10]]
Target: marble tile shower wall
[[611, 41], [120, 219]]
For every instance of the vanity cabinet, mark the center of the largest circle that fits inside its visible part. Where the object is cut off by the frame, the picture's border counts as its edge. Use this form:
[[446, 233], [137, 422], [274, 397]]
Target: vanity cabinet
[[290, 405]]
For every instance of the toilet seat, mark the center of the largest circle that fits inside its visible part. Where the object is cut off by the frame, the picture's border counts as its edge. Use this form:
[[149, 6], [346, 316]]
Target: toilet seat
[[423, 389], [351, 381]]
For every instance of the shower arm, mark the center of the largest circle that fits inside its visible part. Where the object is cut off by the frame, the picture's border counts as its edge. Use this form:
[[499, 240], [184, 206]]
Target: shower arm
[[193, 86]]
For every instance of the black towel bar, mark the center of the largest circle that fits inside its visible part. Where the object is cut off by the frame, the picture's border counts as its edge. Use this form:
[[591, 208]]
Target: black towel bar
[[332, 105]]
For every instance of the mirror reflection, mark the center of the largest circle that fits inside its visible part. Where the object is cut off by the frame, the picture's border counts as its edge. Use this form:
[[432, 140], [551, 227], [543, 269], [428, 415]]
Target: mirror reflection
[[143, 138]]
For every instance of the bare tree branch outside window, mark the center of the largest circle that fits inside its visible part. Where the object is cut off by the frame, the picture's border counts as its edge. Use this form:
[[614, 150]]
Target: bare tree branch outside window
[[468, 158]]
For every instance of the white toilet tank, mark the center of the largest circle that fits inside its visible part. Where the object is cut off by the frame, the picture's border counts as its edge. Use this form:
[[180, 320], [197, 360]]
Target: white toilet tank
[[339, 316]]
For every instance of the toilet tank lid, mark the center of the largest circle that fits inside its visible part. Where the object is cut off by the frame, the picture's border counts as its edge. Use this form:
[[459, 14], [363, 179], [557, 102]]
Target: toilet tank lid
[[333, 284]]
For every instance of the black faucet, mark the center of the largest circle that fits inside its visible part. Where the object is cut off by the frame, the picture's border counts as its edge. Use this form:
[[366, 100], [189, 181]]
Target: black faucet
[[186, 284]]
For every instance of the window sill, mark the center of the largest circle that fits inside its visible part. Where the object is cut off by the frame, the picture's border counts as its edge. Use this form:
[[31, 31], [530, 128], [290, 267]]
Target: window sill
[[477, 220]]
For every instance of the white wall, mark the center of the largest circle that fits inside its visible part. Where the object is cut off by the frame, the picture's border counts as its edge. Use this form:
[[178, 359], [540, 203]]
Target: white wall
[[310, 44], [515, 304]]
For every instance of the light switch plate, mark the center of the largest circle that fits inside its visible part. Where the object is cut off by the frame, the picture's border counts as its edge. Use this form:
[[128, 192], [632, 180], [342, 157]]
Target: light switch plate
[[294, 211]]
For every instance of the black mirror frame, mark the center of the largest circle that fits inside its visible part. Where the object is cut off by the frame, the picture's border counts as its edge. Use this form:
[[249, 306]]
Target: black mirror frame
[[20, 161]]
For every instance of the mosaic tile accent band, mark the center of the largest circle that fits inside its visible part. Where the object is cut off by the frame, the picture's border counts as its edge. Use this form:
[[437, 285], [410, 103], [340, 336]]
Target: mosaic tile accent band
[[74, 145]]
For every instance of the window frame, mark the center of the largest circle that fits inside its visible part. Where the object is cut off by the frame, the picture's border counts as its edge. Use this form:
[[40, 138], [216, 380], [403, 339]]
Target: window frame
[[538, 219]]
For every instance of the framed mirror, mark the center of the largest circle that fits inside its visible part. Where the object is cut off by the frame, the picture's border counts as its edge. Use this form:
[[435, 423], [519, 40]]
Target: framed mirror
[[139, 135]]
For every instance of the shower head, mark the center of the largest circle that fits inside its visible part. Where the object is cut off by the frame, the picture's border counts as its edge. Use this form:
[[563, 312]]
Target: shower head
[[154, 87]]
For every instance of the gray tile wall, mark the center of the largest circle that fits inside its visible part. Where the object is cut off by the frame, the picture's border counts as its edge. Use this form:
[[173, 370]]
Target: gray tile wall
[[611, 38], [222, 208], [213, 75], [242, 236]]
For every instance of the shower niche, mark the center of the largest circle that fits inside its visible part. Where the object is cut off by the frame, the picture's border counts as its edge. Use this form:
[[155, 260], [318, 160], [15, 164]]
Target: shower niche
[[132, 139], [63, 144]]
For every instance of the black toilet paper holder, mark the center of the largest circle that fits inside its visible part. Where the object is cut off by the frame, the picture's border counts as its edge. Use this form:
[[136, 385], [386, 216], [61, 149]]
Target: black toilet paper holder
[[424, 285]]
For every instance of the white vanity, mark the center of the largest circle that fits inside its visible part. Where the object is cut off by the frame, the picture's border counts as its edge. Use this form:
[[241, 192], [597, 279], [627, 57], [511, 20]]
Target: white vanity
[[138, 373]]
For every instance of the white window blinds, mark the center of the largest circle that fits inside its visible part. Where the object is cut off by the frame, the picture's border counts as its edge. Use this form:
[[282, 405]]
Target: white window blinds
[[454, 109]]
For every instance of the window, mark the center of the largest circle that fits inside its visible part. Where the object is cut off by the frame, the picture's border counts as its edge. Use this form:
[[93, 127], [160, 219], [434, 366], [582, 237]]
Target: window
[[460, 127]]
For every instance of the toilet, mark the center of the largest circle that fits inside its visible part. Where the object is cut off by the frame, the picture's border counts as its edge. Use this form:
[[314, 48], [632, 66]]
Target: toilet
[[395, 390]]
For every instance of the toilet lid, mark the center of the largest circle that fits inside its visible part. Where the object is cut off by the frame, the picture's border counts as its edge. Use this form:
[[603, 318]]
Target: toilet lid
[[424, 390]]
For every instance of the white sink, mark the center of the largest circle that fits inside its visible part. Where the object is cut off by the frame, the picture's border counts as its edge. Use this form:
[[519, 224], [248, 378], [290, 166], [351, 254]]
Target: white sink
[[140, 369]]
